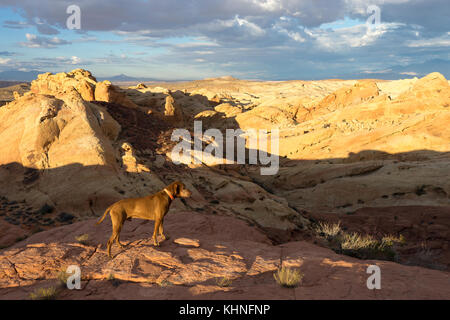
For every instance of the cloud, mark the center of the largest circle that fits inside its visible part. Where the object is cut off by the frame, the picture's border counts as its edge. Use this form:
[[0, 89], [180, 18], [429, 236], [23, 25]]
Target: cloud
[[6, 53], [351, 37], [261, 38], [137, 15], [409, 73], [75, 60], [42, 26], [34, 41], [442, 41], [16, 24], [4, 60]]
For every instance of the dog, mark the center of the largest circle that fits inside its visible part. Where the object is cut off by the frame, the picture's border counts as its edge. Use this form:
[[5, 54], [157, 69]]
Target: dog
[[152, 207]]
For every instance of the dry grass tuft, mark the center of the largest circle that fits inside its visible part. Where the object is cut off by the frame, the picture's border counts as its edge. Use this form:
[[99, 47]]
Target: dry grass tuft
[[82, 238], [357, 245], [328, 230], [288, 277], [224, 282], [44, 294]]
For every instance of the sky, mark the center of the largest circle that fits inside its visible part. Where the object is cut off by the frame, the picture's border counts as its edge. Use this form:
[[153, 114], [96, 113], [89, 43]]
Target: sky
[[247, 39]]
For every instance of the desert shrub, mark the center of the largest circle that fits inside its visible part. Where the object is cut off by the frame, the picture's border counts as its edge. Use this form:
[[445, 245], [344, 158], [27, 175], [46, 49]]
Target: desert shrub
[[82, 238], [390, 240], [45, 209], [49, 293], [62, 278], [20, 238], [224, 282], [288, 277], [115, 282], [367, 247], [355, 241], [328, 231], [357, 245], [164, 283]]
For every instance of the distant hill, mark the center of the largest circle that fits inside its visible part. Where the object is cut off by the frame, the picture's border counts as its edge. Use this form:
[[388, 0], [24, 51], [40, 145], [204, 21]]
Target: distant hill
[[27, 76], [125, 78], [4, 84], [409, 71], [15, 75]]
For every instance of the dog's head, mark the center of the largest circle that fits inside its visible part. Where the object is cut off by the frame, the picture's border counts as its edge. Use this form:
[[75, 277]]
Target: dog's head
[[179, 190]]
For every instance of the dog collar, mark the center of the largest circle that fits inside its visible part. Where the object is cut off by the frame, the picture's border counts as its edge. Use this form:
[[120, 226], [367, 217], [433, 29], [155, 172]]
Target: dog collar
[[170, 195]]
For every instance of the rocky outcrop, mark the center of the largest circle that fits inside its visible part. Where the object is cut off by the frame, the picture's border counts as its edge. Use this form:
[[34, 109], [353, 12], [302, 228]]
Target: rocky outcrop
[[362, 149], [79, 156], [59, 84], [83, 82], [344, 97], [57, 137], [173, 112], [106, 91]]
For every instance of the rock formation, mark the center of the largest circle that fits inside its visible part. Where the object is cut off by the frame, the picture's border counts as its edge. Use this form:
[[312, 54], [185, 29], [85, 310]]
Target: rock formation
[[106, 91], [371, 154], [173, 112]]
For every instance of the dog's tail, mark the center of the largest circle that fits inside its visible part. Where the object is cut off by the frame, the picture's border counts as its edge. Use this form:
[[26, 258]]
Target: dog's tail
[[104, 215]]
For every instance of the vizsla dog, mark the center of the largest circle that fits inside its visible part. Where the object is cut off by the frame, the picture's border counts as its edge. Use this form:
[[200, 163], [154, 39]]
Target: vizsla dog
[[152, 207]]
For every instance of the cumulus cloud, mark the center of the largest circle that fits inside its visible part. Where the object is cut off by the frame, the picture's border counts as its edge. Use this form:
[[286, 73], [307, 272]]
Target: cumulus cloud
[[75, 60], [34, 41], [173, 14], [4, 60], [279, 36], [442, 41], [351, 37]]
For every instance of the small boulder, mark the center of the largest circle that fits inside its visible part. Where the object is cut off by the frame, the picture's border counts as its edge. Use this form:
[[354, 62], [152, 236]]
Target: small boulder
[[187, 242]]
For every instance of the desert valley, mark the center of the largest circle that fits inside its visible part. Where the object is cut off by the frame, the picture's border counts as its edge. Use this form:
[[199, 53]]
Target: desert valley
[[363, 180]]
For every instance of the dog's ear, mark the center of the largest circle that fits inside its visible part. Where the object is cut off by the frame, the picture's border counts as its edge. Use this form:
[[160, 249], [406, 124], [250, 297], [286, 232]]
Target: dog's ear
[[177, 187], [174, 188]]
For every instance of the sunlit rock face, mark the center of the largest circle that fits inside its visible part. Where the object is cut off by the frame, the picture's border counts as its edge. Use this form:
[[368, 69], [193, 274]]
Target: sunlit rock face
[[77, 145]]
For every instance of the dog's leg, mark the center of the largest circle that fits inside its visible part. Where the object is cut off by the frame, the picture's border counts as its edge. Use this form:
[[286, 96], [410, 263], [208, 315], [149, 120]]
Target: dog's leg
[[116, 221], [123, 218], [161, 231], [110, 242], [118, 239], [155, 232]]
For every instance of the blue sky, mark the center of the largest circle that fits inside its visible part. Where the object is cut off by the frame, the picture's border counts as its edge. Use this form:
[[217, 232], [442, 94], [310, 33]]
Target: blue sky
[[249, 39]]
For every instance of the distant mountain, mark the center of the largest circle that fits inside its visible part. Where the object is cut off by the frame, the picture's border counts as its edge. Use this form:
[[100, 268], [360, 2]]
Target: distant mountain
[[125, 78], [418, 70], [15, 75]]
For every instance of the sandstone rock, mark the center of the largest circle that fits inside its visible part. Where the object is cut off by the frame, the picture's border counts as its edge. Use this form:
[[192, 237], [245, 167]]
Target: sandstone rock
[[187, 242], [264, 118], [172, 111], [159, 161], [230, 248], [59, 136], [106, 91], [361, 91], [348, 149], [61, 83], [228, 110]]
